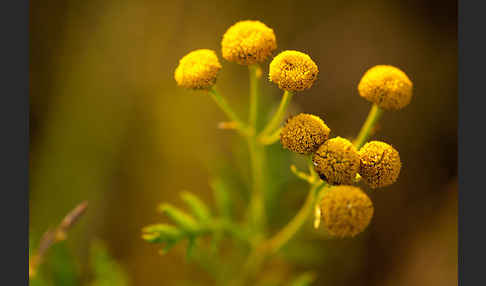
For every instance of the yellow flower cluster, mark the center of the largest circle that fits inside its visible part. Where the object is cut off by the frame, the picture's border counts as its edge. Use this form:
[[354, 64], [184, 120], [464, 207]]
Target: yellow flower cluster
[[304, 133], [345, 211], [198, 69], [248, 42], [387, 86], [293, 71]]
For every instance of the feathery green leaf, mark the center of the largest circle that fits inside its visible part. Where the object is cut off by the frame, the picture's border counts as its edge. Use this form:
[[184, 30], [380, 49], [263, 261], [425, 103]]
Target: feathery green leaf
[[185, 221], [198, 208]]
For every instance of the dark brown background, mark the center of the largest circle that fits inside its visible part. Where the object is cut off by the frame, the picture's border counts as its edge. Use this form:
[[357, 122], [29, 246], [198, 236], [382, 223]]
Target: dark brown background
[[109, 125]]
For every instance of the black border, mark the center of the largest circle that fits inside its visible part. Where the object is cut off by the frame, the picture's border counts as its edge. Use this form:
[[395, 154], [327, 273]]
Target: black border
[[472, 173], [14, 118]]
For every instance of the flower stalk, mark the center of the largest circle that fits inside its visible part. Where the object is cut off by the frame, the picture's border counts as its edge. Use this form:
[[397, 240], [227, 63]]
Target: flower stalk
[[256, 207], [288, 231], [271, 138], [224, 106], [272, 245], [255, 75], [278, 116], [368, 126]]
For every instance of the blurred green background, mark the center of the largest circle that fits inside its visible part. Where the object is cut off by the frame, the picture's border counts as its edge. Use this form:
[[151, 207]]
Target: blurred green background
[[109, 125]]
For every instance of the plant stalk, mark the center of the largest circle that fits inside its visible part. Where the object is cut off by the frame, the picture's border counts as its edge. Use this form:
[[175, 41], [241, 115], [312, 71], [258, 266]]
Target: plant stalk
[[256, 206], [255, 75], [285, 234], [368, 126], [278, 116], [223, 105], [269, 247], [271, 138]]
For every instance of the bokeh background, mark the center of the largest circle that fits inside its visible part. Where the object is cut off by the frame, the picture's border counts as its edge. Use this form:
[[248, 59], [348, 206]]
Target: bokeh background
[[109, 125]]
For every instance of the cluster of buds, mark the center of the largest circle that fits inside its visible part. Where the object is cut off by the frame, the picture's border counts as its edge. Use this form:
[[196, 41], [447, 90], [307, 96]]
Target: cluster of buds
[[247, 43], [344, 209]]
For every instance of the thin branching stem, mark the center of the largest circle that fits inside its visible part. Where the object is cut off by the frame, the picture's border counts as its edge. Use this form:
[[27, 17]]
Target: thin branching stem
[[255, 75], [56, 235], [368, 126], [278, 116], [272, 245], [285, 234], [271, 138], [301, 175], [224, 106], [312, 171]]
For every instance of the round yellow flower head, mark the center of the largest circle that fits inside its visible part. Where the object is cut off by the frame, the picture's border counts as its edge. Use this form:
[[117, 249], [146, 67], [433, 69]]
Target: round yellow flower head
[[345, 211], [198, 69], [248, 42], [387, 86], [293, 71], [337, 161], [304, 133], [380, 164]]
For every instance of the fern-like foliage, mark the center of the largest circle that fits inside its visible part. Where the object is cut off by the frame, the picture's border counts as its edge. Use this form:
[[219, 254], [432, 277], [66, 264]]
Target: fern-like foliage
[[197, 222]]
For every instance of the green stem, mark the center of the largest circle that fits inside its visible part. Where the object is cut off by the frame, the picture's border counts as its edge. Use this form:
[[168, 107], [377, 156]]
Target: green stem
[[367, 128], [301, 175], [271, 138], [313, 174], [221, 102], [256, 206], [232, 229], [255, 74], [272, 245], [278, 116], [283, 236]]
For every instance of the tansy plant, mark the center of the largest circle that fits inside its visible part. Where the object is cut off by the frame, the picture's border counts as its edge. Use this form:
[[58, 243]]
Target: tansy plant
[[335, 164]]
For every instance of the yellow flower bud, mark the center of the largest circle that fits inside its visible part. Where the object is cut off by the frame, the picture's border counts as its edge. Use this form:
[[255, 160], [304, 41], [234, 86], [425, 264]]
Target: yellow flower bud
[[198, 69], [304, 133], [380, 164], [387, 86], [345, 211], [337, 161], [293, 71], [248, 42]]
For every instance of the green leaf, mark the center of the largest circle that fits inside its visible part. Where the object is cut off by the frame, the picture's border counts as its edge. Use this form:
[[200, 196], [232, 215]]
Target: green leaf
[[198, 208], [61, 266], [222, 197], [185, 221], [158, 233], [107, 271]]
